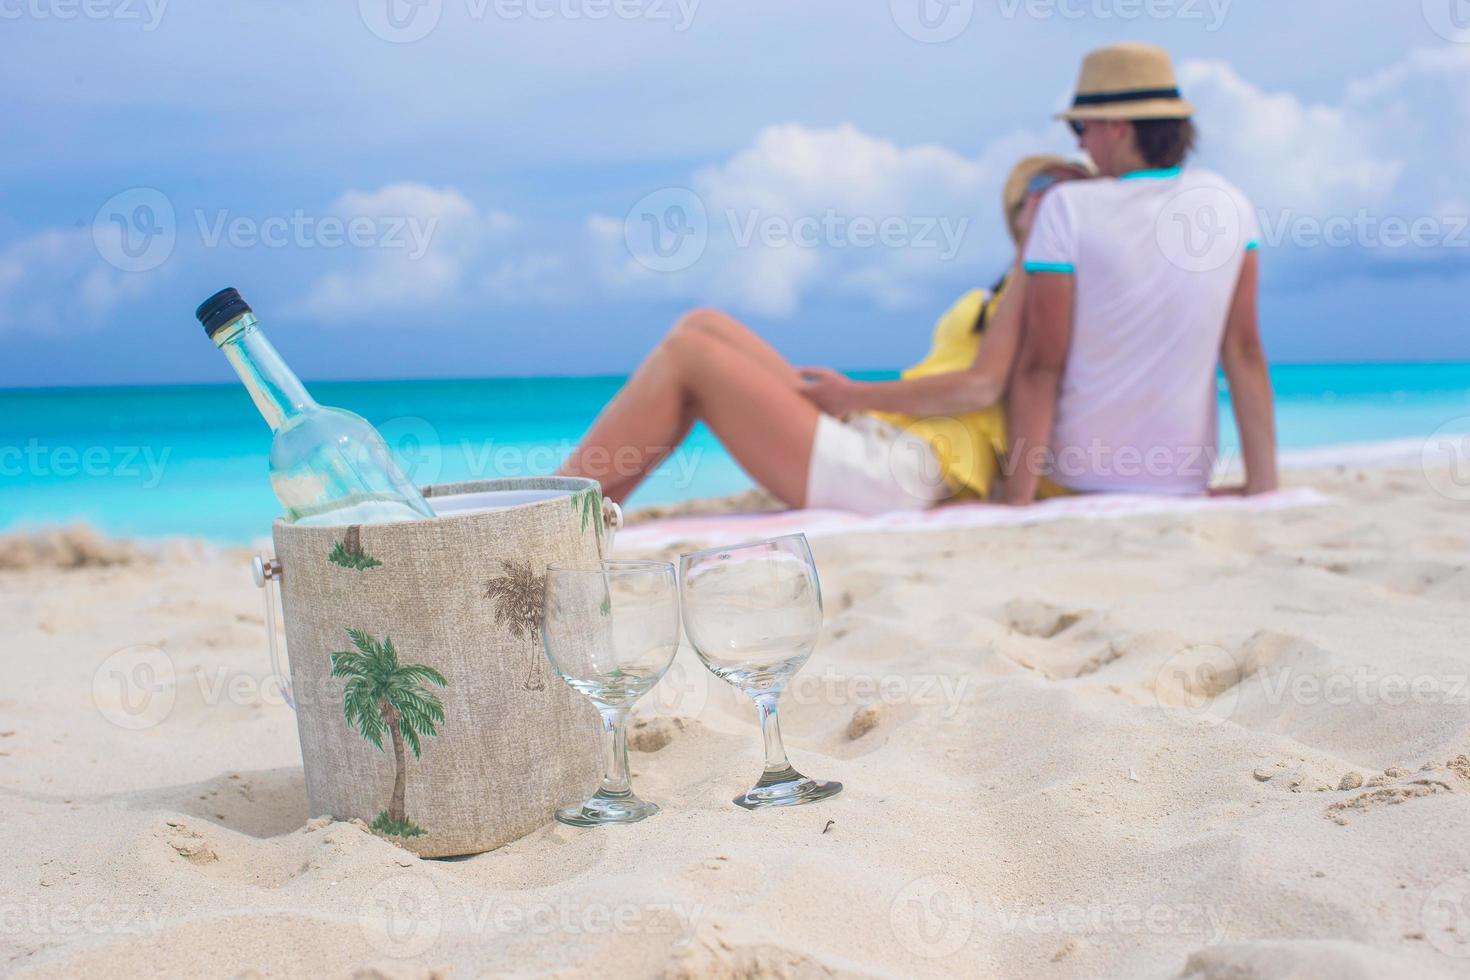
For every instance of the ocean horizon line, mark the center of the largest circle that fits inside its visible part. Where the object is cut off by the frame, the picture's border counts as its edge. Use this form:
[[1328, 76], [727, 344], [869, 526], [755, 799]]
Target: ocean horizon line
[[606, 376]]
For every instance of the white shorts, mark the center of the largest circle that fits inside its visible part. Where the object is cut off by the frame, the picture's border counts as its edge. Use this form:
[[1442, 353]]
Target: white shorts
[[872, 467]]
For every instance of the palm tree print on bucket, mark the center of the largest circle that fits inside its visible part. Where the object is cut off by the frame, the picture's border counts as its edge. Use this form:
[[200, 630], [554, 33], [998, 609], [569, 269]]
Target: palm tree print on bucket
[[588, 505], [349, 554], [518, 595], [383, 695]]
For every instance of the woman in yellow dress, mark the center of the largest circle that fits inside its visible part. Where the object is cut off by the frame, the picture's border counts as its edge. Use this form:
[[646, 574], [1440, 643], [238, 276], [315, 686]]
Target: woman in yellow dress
[[814, 437]]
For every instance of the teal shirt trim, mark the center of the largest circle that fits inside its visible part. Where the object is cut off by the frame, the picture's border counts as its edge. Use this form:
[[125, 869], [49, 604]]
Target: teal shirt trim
[[1153, 174], [1061, 267]]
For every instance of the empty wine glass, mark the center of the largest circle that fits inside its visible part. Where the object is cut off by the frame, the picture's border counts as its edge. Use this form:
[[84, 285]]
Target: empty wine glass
[[610, 629], [753, 613]]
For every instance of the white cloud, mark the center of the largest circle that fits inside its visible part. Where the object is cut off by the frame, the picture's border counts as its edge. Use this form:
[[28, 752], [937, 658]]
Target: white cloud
[[57, 281], [1389, 147], [1286, 152], [837, 212], [1384, 159], [426, 243]]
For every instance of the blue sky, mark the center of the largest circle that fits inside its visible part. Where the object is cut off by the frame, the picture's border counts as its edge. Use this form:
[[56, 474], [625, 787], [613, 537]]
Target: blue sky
[[477, 200]]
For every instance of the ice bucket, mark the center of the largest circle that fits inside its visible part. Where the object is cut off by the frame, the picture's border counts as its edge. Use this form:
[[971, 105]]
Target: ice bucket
[[424, 701]]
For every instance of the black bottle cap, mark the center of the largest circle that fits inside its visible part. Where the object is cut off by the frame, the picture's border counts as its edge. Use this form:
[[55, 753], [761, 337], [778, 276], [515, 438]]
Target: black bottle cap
[[220, 309]]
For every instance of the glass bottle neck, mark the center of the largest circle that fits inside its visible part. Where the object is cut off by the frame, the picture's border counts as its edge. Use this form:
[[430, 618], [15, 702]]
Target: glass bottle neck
[[276, 391]]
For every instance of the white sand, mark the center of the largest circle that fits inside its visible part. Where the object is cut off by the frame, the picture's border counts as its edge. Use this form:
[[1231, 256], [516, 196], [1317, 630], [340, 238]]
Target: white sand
[[1079, 749]]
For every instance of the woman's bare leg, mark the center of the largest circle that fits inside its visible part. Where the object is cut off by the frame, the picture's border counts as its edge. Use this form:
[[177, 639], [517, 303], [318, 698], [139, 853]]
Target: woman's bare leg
[[750, 405], [731, 331]]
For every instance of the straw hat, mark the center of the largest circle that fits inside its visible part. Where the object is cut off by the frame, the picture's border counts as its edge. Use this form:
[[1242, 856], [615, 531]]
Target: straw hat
[[1014, 194], [1128, 81]]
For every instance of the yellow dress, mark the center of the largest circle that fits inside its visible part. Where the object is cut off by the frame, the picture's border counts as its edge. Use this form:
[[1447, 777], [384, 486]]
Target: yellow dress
[[969, 447]]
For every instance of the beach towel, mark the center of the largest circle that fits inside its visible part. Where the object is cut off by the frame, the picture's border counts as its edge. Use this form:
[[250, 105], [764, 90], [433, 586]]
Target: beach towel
[[733, 528]]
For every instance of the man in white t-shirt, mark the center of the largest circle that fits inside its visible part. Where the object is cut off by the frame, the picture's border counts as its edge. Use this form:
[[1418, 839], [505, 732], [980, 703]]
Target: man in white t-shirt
[[1140, 284]]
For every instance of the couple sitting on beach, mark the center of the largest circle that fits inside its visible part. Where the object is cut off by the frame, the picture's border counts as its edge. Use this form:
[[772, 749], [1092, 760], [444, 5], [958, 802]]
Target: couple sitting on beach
[[1090, 367]]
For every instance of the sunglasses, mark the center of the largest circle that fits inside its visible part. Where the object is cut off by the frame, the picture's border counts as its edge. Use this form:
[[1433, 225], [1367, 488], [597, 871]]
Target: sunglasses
[[1078, 126]]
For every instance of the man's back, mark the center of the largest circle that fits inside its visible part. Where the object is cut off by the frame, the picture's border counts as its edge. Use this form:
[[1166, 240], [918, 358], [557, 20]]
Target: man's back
[[1155, 257]]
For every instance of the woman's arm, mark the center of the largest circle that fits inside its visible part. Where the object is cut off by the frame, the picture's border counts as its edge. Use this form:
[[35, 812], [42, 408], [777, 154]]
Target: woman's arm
[[954, 393]]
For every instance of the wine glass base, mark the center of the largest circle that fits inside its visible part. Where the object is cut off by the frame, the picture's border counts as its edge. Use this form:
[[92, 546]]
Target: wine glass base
[[607, 809], [786, 788]]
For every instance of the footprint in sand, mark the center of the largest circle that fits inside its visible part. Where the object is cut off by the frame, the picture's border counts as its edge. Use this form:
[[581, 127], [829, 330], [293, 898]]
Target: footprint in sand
[[718, 958], [864, 720], [189, 844], [1432, 579], [652, 734], [1394, 786], [1085, 643], [1039, 618], [1204, 681]]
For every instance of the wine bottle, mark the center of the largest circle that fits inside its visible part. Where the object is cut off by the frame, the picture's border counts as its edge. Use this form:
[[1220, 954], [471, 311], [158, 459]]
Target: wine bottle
[[327, 466]]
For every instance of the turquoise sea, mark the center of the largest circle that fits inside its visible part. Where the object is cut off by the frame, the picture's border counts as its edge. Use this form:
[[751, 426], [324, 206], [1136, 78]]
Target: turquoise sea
[[191, 460]]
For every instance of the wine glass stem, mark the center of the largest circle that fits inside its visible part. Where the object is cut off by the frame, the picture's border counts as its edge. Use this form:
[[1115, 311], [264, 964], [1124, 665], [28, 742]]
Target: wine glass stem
[[615, 779], [776, 760]]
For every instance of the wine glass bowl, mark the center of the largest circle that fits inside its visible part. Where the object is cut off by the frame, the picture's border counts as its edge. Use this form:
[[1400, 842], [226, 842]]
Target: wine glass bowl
[[611, 629], [753, 614]]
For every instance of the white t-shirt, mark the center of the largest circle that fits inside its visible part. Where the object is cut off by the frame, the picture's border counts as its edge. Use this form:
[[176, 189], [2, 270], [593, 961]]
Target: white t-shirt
[[1156, 257]]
